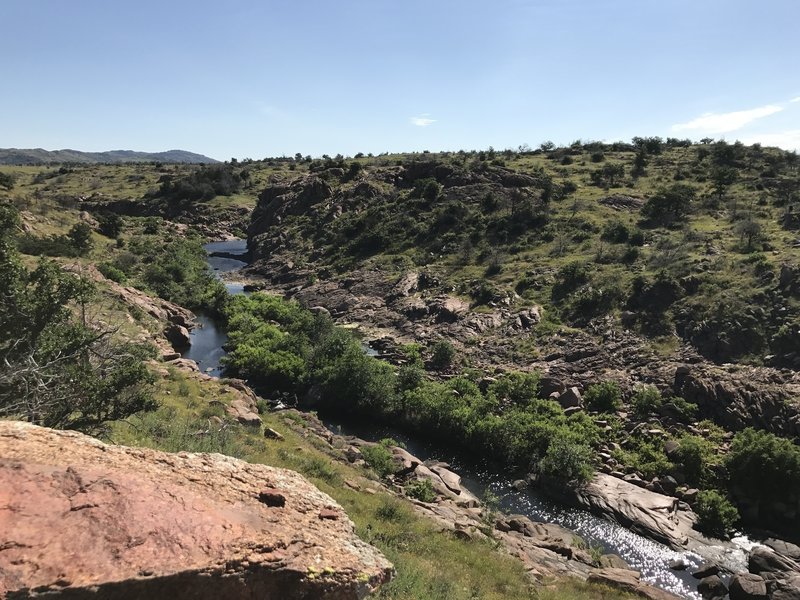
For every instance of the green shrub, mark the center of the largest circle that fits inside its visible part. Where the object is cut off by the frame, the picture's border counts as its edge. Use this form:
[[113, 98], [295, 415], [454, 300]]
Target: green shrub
[[645, 401], [764, 466], [421, 490], [442, 355], [567, 461], [695, 454], [111, 272], [379, 459], [716, 515], [393, 510], [603, 397]]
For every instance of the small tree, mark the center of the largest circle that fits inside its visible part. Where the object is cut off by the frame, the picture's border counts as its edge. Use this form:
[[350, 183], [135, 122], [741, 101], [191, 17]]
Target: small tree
[[669, 205], [81, 238], [748, 229], [6, 181], [716, 515], [442, 355], [603, 397]]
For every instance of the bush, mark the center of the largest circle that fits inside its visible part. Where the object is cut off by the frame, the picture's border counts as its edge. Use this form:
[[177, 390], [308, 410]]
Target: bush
[[716, 515], [645, 401], [764, 466], [442, 355], [379, 459], [695, 454], [567, 461], [421, 490], [569, 278], [669, 205], [603, 397], [111, 272]]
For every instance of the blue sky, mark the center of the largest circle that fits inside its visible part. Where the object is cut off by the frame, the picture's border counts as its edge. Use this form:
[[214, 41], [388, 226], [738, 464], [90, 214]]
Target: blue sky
[[257, 79]]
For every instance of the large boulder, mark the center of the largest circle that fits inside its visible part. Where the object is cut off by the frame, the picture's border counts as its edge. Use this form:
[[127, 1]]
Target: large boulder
[[747, 586], [83, 519], [627, 581]]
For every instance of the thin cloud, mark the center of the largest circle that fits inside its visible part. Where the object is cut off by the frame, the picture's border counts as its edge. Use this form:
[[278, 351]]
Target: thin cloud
[[726, 122], [422, 120], [795, 99], [788, 140]]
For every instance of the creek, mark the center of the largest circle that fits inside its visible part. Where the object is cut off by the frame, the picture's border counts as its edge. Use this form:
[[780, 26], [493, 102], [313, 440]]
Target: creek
[[650, 558]]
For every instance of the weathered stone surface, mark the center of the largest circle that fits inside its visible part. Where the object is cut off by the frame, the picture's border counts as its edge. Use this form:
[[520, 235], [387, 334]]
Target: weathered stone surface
[[747, 586], [769, 564], [83, 519], [570, 398], [627, 581], [712, 588], [707, 569]]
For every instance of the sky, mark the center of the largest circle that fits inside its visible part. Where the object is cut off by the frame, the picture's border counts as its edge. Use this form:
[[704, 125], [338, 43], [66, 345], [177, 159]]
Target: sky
[[272, 78]]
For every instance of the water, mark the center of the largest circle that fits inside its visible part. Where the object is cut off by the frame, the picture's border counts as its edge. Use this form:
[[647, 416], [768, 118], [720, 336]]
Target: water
[[209, 338], [649, 557]]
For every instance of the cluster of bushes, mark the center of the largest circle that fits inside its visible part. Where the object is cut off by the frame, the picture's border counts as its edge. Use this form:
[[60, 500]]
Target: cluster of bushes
[[56, 369], [281, 347], [206, 183], [173, 268], [77, 242]]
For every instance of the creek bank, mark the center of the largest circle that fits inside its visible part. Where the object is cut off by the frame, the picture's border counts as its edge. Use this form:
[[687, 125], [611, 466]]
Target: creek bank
[[546, 549]]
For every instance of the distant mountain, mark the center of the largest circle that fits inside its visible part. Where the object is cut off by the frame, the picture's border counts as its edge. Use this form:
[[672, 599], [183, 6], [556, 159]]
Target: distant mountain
[[38, 156]]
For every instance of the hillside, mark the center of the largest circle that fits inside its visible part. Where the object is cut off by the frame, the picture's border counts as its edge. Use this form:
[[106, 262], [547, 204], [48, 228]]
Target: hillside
[[38, 156], [626, 314]]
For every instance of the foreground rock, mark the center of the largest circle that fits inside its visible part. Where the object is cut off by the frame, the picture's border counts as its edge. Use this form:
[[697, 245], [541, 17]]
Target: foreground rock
[[82, 519]]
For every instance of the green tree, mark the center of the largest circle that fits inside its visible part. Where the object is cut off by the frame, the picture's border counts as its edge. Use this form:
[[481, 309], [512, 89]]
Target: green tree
[[716, 515], [80, 236], [55, 369], [722, 178], [669, 205], [6, 181]]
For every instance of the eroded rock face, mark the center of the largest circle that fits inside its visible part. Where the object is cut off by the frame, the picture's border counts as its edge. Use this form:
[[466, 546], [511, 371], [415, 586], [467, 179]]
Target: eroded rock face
[[82, 519]]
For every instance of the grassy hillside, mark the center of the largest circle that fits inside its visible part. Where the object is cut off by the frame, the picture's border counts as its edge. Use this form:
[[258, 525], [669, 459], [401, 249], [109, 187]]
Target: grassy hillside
[[678, 241]]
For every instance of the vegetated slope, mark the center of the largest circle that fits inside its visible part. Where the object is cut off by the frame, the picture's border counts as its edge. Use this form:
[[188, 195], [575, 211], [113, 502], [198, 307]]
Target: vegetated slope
[[39, 156], [602, 266], [676, 242]]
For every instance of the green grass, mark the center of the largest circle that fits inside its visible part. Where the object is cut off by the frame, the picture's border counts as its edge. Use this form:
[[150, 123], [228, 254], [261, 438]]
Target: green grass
[[430, 564]]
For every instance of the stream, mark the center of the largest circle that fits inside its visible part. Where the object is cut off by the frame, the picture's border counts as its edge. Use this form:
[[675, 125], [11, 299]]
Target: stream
[[649, 557]]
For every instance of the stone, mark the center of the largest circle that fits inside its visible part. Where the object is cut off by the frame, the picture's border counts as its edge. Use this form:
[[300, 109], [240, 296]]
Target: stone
[[105, 521], [769, 564], [785, 589], [406, 462], [271, 434], [178, 336], [244, 410], [571, 397], [706, 569], [678, 564], [712, 588], [748, 586], [627, 581]]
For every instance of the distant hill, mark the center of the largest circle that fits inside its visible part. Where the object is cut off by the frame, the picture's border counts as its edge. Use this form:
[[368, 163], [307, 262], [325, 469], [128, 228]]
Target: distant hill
[[38, 156]]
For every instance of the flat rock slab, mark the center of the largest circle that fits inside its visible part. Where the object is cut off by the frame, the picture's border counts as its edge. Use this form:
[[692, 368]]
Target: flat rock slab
[[83, 519]]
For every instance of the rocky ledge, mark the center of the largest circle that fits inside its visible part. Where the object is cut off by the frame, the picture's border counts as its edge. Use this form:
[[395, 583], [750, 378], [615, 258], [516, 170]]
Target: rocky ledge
[[83, 519]]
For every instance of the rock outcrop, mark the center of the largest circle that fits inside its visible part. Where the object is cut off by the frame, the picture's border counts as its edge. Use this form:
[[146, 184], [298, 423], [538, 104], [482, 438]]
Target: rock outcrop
[[83, 519]]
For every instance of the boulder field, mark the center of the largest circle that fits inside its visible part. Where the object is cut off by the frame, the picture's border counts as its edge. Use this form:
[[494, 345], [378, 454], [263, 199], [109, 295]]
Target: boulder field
[[84, 519]]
